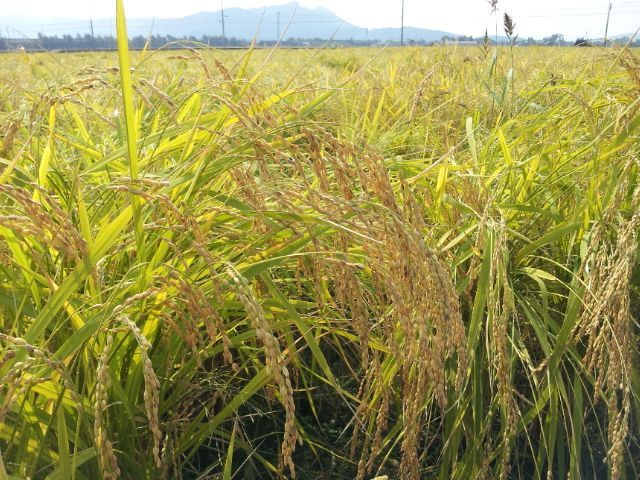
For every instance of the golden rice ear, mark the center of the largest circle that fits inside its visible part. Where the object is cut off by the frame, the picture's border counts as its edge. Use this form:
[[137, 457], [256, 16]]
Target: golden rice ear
[[607, 322], [151, 388], [106, 456], [275, 364]]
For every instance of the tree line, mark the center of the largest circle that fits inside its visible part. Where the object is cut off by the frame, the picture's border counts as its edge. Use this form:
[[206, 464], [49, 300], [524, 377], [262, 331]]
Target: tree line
[[89, 42]]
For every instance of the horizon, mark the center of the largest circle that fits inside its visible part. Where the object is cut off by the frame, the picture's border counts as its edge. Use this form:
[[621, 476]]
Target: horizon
[[573, 20]]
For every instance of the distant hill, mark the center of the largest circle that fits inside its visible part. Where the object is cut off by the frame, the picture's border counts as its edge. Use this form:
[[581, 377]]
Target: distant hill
[[241, 23]]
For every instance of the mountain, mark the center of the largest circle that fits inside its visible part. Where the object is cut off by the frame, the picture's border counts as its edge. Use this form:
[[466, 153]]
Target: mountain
[[241, 23], [624, 36]]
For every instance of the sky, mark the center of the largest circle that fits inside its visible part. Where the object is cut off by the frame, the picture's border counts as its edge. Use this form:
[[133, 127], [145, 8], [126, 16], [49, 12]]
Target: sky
[[538, 18]]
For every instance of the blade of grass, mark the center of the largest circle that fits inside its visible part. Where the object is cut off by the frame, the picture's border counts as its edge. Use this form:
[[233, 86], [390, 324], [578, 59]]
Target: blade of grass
[[130, 118]]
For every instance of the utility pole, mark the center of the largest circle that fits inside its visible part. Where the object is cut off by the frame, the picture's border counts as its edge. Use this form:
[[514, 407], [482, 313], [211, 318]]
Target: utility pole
[[278, 25], [224, 35], [402, 25], [606, 28], [93, 37]]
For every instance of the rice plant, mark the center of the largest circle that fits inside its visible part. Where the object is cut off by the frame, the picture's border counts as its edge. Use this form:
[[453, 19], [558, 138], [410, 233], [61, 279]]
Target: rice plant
[[334, 264]]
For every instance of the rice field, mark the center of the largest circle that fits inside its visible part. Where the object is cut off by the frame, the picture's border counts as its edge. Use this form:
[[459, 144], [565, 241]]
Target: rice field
[[418, 263]]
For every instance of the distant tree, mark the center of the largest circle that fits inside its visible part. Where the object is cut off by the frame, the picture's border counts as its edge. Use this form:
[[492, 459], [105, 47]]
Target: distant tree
[[554, 40]]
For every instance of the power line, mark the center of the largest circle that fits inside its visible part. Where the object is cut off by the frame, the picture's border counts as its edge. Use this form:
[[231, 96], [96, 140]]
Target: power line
[[80, 25], [601, 14]]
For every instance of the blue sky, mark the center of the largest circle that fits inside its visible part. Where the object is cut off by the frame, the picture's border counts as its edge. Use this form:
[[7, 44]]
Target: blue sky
[[539, 18]]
